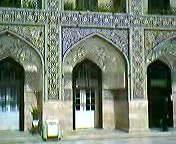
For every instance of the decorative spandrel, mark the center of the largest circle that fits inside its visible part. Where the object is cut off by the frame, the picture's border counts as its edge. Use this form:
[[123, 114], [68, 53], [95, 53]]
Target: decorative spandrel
[[14, 47], [71, 36], [41, 28], [21, 42], [159, 44], [31, 34], [154, 37]]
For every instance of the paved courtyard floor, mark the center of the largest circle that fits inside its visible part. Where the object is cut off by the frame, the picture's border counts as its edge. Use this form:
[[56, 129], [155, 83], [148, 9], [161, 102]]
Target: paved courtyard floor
[[92, 137], [145, 140]]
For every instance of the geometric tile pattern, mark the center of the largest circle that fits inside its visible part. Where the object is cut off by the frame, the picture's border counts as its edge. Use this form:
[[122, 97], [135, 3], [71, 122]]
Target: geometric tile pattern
[[158, 43], [45, 28], [137, 63], [71, 35]]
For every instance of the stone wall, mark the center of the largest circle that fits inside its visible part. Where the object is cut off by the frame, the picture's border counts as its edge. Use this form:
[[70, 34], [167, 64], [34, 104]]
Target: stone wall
[[138, 115], [121, 108], [173, 98], [30, 100], [115, 109], [108, 110], [53, 32], [63, 111]]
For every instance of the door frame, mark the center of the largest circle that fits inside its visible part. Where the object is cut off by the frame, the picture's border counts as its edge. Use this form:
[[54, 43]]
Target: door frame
[[167, 102], [97, 88], [84, 110], [20, 93]]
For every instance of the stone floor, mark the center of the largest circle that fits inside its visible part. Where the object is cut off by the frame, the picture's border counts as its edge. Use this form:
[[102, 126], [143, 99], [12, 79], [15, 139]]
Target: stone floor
[[91, 136], [15, 137], [100, 133], [136, 140]]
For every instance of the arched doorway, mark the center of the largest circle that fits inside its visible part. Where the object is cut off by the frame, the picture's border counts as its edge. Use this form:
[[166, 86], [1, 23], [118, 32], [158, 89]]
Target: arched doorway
[[112, 108], [87, 97], [86, 5], [11, 95], [159, 92], [158, 6], [119, 5]]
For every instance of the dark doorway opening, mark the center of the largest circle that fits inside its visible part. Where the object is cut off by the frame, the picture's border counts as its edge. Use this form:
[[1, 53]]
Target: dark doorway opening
[[159, 94], [86, 5], [12, 90], [158, 6], [87, 92]]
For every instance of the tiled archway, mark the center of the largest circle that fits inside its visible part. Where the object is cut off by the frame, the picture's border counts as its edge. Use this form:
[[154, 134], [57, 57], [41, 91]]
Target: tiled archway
[[165, 53], [159, 94], [87, 95], [24, 54], [113, 65]]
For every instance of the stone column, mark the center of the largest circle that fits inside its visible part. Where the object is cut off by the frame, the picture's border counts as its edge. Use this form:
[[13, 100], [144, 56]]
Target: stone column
[[135, 7], [54, 5], [137, 63], [173, 98], [52, 52], [145, 6], [138, 104], [172, 4], [60, 109]]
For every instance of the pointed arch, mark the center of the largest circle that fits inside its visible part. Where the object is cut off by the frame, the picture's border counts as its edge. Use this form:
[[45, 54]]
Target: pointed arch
[[166, 54], [158, 6], [21, 38], [165, 48], [83, 44], [159, 94], [87, 86], [28, 56], [114, 67], [102, 52], [12, 87], [100, 37], [87, 5]]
